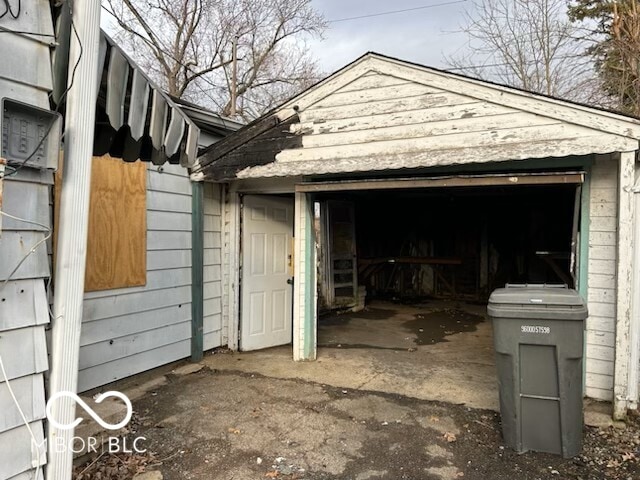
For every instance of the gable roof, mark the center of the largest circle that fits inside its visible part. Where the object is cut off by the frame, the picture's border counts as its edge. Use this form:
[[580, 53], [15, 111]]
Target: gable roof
[[386, 104]]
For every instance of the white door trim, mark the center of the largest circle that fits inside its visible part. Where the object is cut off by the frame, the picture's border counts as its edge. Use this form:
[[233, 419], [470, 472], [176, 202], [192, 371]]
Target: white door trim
[[305, 287]]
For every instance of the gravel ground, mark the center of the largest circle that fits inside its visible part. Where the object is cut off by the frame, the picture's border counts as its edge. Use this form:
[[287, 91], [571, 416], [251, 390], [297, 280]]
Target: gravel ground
[[230, 425]]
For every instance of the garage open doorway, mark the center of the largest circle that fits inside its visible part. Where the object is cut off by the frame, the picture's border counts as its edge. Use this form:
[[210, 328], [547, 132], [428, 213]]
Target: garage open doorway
[[424, 263]]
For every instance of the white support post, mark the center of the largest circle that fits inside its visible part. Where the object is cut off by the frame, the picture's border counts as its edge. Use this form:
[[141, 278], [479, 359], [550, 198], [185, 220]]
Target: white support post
[[304, 282], [634, 340], [624, 288], [73, 228], [298, 277]]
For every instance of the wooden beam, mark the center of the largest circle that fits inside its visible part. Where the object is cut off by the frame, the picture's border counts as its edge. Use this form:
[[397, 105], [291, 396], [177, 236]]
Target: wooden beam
[[412, 260], [624, 279], [445, 182], [242, 136]]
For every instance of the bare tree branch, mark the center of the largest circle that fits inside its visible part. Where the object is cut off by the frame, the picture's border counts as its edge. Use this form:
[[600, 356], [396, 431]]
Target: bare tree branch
[[528, 44], [186, 45]]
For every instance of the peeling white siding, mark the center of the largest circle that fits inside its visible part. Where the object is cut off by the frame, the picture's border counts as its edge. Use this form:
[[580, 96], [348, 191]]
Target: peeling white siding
[[130, 330], [230, 267], [390, 119], [601, 324]]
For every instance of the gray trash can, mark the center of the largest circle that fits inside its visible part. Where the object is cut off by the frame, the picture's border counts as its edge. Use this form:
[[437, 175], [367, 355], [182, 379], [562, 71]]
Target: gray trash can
[[538, 334]]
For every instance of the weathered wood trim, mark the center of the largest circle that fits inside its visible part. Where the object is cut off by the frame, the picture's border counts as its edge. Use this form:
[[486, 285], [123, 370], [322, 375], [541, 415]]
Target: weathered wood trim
[[318, 161], [510, 140], [407, 117], [521, 100], [624, 273], [441, 129], [372, 81], [375, 94], [552, 178], [634, 367]]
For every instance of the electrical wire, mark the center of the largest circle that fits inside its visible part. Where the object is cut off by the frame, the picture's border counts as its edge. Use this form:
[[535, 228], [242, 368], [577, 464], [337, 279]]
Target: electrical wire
[[392, 12], [25, 32], [31, 250], [23, 220], [23, 163], [506, 64], [49, 229], [35, 441]]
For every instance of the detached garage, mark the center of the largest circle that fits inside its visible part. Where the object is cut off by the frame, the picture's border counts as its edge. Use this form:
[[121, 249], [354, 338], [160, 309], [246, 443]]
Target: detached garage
[[404, 190]]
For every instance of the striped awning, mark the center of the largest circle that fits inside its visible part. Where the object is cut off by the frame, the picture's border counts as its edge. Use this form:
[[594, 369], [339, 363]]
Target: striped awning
[[135, 119]]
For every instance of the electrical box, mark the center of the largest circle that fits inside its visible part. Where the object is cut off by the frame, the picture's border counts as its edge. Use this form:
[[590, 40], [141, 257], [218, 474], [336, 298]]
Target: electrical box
[[30, 135]]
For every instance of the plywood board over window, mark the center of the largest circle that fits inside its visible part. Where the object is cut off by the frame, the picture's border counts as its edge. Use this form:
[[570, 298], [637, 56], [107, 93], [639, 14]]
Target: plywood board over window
[[117, 239]]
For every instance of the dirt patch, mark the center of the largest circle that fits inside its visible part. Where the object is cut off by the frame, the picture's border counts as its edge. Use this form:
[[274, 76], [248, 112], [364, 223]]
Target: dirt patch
[[229, 425]]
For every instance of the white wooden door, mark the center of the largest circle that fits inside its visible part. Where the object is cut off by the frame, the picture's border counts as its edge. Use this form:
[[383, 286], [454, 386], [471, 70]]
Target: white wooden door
[[266, 307]]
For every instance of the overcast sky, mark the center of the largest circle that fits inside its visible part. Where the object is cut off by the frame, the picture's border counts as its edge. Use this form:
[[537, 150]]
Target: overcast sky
[[420, 35]]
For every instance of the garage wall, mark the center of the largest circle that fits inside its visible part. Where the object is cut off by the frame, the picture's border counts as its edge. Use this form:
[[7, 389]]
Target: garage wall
[[600, 334], [212, 266]]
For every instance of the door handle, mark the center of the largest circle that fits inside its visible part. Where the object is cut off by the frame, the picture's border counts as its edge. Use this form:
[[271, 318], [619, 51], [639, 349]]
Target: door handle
[[290, 281]]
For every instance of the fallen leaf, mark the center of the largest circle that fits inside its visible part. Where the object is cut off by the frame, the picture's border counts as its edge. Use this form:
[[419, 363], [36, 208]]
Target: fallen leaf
[[273, 474], [235, 431], [449, 437]]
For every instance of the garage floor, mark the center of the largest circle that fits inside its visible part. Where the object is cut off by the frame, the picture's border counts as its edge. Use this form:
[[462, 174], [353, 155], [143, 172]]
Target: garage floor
[[434, 351]]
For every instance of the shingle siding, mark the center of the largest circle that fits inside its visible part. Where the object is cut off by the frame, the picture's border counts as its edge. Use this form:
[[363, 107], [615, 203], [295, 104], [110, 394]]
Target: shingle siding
[[25, 76]]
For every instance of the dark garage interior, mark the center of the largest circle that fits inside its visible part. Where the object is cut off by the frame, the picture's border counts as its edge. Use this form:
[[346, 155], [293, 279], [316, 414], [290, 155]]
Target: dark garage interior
[[475, 239], [409, 272]]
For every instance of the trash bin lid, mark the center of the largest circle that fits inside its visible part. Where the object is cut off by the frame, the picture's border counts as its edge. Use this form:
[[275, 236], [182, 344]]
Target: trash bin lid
[[537, 301]]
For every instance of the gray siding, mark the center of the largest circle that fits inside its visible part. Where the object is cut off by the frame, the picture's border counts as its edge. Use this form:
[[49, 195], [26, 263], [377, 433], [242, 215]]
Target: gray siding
[[25, 76], [601, 324], [212, 266], [129, 330]]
